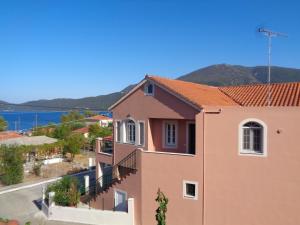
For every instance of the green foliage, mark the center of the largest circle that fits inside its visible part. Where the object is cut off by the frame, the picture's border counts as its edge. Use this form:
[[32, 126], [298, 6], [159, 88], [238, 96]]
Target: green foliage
[[3, 220], [11, 162], [28, 223], [73, 144], [66, 191], [161, 211], [37, 169], [76, 125], [44, 130], [3, 124], [71, 116], [96, 131], [62, 131], [88, 113]]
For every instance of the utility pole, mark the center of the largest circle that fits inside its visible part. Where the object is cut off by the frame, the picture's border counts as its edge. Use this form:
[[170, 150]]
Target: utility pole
[[36, 121], [270, 34]]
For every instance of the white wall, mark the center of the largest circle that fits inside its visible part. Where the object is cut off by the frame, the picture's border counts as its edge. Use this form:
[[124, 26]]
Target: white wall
[[93, 216]]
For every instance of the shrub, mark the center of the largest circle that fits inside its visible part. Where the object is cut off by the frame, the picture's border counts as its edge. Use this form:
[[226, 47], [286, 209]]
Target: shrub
[[37, 169], [66, 191], [161, 211], [12, 165]]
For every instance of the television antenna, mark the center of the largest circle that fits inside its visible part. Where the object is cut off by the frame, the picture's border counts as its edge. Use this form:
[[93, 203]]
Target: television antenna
[[270, 34]]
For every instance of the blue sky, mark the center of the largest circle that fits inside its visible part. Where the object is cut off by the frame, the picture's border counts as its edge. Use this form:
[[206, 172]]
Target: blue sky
[[73, 48]]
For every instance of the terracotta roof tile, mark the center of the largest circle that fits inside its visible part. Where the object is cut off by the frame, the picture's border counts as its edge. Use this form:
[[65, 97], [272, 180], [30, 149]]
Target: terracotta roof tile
[[4, 135], [82, 130], [198, 94], [282, 94]]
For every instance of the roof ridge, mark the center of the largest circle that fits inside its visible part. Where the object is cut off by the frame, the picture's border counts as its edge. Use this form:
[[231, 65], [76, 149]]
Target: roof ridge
[[183, 81], [260, 84]]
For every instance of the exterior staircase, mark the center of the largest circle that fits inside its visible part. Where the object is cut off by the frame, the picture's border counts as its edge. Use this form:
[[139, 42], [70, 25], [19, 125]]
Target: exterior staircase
[[118, 173]]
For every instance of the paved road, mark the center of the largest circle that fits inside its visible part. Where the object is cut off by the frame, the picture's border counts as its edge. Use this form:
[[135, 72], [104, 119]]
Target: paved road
[[21, 205]]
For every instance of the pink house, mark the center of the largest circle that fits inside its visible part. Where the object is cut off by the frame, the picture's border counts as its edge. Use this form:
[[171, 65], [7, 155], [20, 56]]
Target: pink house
[[221, 155]]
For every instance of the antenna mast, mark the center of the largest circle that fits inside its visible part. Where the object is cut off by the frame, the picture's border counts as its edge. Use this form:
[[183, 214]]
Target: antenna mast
[[270, 34]]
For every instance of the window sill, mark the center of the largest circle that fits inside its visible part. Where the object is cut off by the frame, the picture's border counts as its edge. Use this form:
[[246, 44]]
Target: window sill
[[252, 153], [190, 197]]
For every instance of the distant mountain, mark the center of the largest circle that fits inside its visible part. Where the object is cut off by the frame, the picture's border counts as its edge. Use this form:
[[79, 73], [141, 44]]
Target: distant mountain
[[217, 75], [101, 102], [228, 75]]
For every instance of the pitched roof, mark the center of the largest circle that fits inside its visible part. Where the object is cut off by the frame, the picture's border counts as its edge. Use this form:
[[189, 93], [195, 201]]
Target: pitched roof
[[199, 95], [82, 130], [282, 94], [99, 117], [4, 135], [34, 140]]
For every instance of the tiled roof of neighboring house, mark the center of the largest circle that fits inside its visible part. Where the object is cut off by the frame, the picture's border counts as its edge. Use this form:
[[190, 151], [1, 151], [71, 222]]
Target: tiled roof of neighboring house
[[34, 140], [4, 135], [282, 94], [82, 130], [108, 138], [198, 94], [99, 117]]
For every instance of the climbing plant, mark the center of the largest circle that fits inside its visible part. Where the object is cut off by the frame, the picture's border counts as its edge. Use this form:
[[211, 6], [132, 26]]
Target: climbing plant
[[161, 211]]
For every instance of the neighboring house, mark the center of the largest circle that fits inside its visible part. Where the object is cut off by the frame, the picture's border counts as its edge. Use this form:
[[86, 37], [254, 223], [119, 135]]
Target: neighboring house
[[4, 135], [35, 142], [221, 155], [103, 121], [84, 131]]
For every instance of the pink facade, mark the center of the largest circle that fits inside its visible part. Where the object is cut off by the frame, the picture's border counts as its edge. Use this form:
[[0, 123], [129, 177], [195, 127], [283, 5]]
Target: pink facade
[[232, 188]]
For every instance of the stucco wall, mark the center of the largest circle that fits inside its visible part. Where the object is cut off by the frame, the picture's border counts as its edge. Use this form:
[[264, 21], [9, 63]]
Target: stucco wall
[[132, 185], [168, 171], [252, 190], [141, 107], [157, 129]]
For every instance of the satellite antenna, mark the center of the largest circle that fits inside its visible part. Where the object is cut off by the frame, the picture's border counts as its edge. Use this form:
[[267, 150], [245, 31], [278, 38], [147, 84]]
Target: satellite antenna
[[270, 34]]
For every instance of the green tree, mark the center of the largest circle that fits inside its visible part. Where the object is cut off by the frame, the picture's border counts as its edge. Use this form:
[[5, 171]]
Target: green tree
[[73, 144], [44, 130], [62, 131], [161, 211], [3, 124], [11, 164], [89, 113], [96, 131], [71, 116]]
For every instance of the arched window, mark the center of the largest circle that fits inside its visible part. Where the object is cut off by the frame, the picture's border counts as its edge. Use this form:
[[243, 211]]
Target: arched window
[[130, 131], [252, 137]]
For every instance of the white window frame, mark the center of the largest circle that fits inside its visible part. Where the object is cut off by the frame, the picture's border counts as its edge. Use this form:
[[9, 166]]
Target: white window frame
[[146, 89], [118, 132], [121, 191], [185, 195], [139, 133], [127, 132], [165, 144], [264, 139]]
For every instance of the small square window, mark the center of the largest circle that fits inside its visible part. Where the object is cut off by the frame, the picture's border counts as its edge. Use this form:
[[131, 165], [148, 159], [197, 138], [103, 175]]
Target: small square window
[[149, 89], [190, 190]]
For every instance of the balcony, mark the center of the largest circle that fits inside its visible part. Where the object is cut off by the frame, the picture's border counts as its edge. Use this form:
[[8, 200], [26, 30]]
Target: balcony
[[104, 150]]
